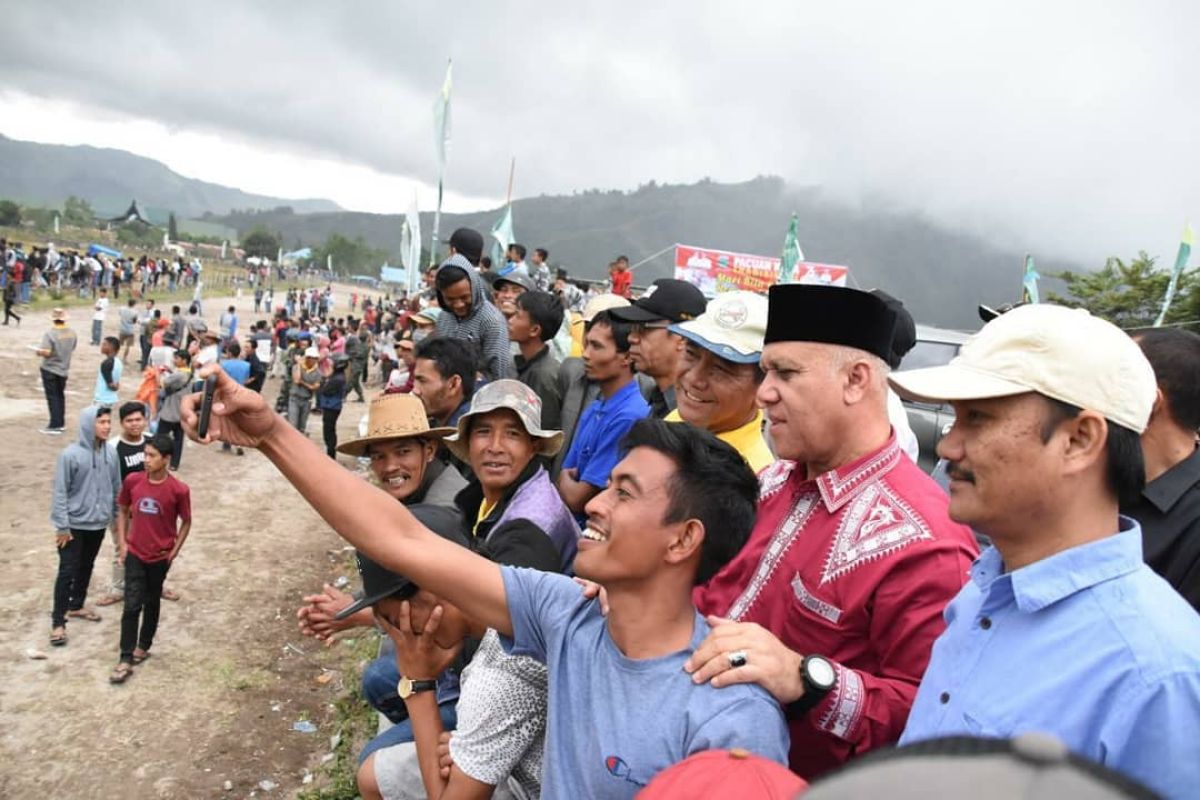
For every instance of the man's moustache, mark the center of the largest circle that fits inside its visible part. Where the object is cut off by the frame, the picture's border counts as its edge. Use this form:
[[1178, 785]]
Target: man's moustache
[[958, 474]]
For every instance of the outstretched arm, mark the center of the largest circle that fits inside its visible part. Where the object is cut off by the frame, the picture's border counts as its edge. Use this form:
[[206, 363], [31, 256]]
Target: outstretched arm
[[363, 515]]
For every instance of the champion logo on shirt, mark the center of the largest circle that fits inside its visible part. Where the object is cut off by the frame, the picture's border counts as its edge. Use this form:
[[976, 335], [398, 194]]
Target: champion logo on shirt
[[148, 505], [618, 768]]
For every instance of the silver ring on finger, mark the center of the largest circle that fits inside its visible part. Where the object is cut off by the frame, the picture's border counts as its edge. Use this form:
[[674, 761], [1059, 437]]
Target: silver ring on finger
[[737, 658]]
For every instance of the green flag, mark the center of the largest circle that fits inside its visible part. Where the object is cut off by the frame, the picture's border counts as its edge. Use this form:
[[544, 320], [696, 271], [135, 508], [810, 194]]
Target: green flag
[[792, 254], [502, 232], [1029, 283], [1181, 259]]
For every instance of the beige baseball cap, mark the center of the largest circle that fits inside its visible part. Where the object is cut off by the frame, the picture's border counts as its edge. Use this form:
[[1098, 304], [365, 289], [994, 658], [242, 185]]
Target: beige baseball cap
[[732, 326], [602, 302], [1062, 353]]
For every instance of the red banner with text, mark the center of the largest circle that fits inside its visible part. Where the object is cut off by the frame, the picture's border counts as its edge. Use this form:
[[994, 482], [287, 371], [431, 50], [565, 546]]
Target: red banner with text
[[722, 271]]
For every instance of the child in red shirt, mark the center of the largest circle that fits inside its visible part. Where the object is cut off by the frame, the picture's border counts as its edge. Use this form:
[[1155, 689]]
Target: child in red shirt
[[622, 278], [155, 516]]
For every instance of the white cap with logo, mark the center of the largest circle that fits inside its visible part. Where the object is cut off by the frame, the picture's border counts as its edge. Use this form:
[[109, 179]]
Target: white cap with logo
[[1063, 353], [732, 326]]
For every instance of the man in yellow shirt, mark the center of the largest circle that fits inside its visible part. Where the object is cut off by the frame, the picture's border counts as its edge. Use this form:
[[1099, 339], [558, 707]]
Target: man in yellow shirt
[[720, 374]]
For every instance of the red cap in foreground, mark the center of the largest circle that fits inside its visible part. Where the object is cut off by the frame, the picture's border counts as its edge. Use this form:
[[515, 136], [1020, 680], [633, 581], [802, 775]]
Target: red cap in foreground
[[725, 773]]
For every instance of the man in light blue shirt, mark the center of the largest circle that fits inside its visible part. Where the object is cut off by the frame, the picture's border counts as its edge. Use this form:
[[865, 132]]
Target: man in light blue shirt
[[1062, 628]]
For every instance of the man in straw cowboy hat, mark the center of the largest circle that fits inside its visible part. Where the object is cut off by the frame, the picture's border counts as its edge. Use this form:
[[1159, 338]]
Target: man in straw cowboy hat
[[401, 447], [58, 345]]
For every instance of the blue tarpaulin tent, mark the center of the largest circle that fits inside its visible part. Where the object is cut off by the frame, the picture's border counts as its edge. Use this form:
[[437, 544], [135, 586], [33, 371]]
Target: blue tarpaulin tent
[[93, 249], [396, 275]]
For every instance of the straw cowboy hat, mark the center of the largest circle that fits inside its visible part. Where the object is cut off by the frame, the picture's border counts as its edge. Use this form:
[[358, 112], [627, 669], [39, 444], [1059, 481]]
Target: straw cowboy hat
[[393, 416], [516, 397]]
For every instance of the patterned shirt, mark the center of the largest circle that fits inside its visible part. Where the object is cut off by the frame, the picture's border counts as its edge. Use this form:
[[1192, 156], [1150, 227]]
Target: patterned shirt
[[501, 718], [855, 565]]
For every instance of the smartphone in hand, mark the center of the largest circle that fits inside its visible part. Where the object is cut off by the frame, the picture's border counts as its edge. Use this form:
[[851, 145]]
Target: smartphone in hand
[[210, 388]]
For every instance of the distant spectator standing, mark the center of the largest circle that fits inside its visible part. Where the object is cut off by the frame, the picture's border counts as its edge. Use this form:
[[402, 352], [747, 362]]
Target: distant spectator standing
[[539, 270], [128, 326], [86, 482], [306, 379], [622, 277], [174, 382], [58, 344], [99, 310], [227, 326], [108, 376], [330, 396]]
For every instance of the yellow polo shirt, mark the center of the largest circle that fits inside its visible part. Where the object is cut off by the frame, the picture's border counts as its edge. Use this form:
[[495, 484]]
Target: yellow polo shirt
[[747, 440]]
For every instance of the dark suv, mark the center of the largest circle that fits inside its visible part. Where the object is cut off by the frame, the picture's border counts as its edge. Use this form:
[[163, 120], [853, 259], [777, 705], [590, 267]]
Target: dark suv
[[929, 421]]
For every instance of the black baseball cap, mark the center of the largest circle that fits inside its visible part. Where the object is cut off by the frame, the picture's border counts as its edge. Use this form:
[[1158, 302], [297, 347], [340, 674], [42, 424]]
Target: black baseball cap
[[378, 582], [667, 299], [467, 241]]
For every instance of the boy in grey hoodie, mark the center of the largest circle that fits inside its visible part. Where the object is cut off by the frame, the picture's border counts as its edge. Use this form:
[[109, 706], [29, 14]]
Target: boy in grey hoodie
[[86, 481]]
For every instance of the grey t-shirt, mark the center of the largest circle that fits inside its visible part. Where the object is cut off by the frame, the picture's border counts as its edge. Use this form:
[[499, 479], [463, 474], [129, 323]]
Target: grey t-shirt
[[61, 344], [615, 722], [128, 321]]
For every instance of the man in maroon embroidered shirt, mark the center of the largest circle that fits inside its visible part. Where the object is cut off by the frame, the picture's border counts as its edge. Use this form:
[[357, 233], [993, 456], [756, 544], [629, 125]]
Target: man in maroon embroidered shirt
[[835, 601]]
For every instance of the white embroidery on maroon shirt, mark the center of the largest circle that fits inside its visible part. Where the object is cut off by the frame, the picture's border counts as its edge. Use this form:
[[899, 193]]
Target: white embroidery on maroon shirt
[[792, 524], [814, 604], [847, 706], [837, 490], [878, 522], [773, 476]]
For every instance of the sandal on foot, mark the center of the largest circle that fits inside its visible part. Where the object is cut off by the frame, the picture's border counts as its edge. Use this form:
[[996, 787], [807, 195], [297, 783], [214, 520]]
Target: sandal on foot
[[139, 659], [58, 638], [170, 594], [120, 673], [84, 613], [109, 599]]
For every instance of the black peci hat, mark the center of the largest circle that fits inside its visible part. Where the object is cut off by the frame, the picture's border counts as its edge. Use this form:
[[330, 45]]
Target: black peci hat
[[830, 315]]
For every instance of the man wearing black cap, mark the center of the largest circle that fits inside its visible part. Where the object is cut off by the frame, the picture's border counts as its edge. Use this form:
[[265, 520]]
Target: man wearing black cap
[[468, 243], [656, 351], [834, 603]]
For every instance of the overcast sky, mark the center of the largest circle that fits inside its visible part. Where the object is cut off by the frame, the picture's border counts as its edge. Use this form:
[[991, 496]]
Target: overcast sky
[[1065, 128]]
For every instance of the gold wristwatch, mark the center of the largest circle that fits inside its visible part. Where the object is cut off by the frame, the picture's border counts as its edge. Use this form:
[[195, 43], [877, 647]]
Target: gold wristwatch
[[408, 687]]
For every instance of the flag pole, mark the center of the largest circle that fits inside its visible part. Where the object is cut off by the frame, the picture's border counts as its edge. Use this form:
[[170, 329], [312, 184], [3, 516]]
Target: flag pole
[[512, 172], [442, 118]]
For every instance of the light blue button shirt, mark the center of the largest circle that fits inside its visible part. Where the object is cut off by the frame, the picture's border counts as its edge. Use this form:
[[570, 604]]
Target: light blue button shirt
[[1088, 645]]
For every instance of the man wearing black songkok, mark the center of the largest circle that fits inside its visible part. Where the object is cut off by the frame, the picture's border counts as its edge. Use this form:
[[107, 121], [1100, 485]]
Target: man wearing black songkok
[[835, 601]]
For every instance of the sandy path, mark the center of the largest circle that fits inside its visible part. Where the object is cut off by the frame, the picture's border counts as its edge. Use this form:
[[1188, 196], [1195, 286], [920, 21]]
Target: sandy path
[[200, 712]]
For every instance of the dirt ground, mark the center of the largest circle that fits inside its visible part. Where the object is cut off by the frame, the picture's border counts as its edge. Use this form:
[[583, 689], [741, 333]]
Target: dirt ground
[[230, 672]]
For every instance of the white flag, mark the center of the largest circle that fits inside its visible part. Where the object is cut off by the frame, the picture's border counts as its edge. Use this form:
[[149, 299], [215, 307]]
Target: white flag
[[410, 244]]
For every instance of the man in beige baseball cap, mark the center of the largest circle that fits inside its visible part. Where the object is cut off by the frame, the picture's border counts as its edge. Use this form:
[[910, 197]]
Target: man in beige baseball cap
[[1061, 628], [719, 373]]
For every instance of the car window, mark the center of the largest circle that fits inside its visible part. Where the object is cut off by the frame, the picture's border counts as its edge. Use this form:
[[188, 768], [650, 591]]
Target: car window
[[929, 354]]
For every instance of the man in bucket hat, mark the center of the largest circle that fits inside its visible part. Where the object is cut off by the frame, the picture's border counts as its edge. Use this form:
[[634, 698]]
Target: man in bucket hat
[[512, 498], [1062, 628]]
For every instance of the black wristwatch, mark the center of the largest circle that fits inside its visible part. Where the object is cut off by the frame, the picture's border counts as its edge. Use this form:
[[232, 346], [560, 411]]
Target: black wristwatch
[[819, 678], [408, 687]]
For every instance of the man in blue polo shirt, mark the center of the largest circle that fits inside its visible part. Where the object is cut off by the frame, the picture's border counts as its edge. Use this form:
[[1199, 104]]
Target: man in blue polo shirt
[[595, 449], [1062, 628]]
